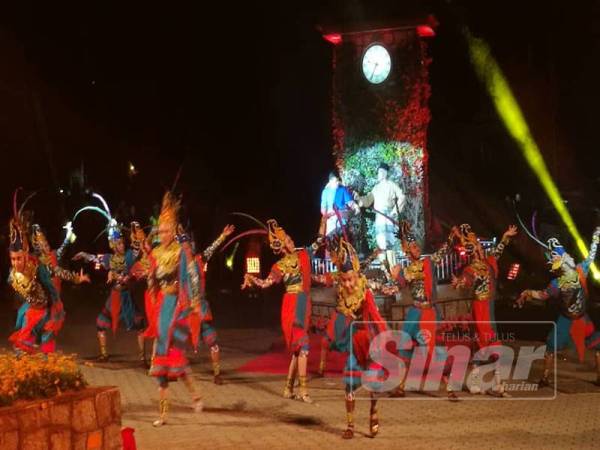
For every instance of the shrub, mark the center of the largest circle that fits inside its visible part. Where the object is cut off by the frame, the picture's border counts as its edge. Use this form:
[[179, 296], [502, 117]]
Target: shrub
[[37, 376]]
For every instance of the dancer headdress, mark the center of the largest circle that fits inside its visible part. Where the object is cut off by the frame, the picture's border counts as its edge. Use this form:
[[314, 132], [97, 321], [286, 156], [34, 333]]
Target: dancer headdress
[[277, 235], [18, 226], [169, 211], [468, 239], [113, 229], [38, 239], [553, 250], [556, 254], [18, 239], [137, 235], [343, 255], [406, 236]]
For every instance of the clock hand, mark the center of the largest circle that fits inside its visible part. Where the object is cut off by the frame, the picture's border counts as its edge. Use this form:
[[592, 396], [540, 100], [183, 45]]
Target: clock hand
[[374, 69]]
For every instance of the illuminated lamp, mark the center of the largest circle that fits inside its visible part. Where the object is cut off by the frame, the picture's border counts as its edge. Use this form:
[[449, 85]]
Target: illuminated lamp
[[513, 271], [253, 265], [425, 31], [333, 38]]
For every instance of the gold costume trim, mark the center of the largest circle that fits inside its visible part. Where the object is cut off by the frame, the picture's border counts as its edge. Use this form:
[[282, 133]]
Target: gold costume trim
[[349, 303], [294, 288], [167, 259]]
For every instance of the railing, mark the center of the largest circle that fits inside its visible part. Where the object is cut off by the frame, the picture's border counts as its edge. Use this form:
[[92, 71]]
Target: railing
[[450, 264]]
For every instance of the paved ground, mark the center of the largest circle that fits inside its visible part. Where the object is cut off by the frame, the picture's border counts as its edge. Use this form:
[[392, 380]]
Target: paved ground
[[248, 411]]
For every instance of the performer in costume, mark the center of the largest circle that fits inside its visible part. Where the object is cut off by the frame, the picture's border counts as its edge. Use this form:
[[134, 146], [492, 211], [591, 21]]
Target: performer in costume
[[41, 315], [142, 245], [119, 307], [174, 286], [294, 271], [422, 318], [46, 255], [202, 322], [574, 327], [347, 331], [481, 275], [336, 203], [334, 320], [388, 200]]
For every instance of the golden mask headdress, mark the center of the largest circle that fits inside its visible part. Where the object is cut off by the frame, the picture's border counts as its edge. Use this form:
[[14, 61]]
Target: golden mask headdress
[[18, 239], [406, 235], [343, 255], [18, 226], [137, 235], [38, 239], [169, 211], [277, 235], [468, 239]]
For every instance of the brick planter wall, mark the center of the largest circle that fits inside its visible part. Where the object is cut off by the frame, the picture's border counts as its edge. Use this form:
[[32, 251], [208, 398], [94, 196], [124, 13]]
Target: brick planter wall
[[85, 420]]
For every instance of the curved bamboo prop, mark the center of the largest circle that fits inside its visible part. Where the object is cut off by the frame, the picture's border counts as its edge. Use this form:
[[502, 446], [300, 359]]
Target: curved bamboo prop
[[92, 208], [256, 231], [252, 218]]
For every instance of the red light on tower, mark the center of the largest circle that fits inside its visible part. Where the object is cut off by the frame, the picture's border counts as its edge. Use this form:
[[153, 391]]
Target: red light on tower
[[333, 38], [425, 31]]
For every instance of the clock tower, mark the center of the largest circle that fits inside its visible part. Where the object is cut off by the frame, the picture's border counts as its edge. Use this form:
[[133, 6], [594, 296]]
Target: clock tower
[[380, 114]]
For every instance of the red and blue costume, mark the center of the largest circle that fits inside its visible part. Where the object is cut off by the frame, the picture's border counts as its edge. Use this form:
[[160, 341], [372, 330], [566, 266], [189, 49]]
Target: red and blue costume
[[481, 276], [422, 318], [574, 328], [294, 271], [421, 322], [174, 290], [202, 322], [41, 315], [48, 257], [172, 284], [119, 308], [352, 328]]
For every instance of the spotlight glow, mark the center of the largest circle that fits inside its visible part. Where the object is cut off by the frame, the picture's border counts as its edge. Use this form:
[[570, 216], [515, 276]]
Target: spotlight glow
[[508, 109], [230, 259], [131, 169]]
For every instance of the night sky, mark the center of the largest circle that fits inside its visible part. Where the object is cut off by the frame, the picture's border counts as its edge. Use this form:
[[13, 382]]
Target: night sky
[[239, 96]]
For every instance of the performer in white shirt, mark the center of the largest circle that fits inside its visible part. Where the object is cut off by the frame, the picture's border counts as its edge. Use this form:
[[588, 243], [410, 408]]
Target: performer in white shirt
[[387, 200]]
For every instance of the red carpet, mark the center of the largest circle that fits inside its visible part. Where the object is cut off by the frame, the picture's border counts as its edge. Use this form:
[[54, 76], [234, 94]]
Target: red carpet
[[277, 360]]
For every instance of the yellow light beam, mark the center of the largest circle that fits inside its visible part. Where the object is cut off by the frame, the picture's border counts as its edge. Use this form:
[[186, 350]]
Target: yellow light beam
[[508, 109]]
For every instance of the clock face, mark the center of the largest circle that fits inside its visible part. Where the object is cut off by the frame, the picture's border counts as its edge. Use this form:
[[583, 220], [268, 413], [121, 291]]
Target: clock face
[[376, 64]]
